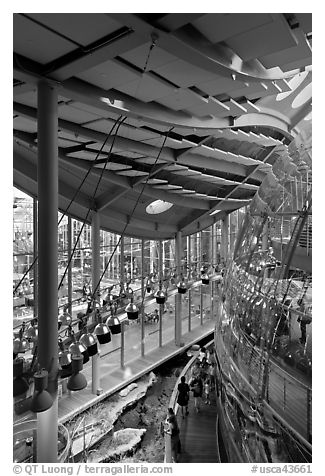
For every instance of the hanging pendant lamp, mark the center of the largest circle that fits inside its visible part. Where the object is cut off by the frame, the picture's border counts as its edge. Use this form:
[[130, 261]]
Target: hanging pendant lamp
[[77, 381], [148, 286], [205, 278], [102, 332], [181, 286], [90, 342], [113, 323], [64, 359], [42, 399], [77, 348], [132, 310], [160, 295]]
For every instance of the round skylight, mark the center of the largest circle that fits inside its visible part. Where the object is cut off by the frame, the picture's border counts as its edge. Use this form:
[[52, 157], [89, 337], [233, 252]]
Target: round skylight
[[158, 206]]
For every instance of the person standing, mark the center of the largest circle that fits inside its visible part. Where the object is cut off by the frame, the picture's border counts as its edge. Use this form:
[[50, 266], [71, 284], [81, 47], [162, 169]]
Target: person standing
[[183, 396], [172, 430], [196, 385], [207, 390]]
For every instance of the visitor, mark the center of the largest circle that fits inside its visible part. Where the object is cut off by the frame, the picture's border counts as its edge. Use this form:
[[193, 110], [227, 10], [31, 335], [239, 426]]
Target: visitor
[[207, 391], [196, 386], [303, 319], [202, 354], [212, 376], [183, 396], [155, 316], [172, 429]]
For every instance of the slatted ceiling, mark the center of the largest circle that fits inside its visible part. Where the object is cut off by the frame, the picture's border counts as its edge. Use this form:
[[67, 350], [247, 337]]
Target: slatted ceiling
[[250, 107], [81, 28], [86, 154], [23, 124], [102, 125], [127, 153], [184, 74], [69, 113], [283, 84], [132, 173], [113, 166], [182, 99], [219, 27], [72, 136], [255, 87], [219, 85], [42, 45], [155, 141], [174, 143], [239, 159], [131, 132], [263, 40], [155, 181], [150, 161], [66, 143], [235, 109], [295, 65], [187, 173], [271, 90], [298, 52], [188, 192], [147, 88], [109, 74], [28, 98], [158, 57], [204, 150], [212, 106], [94, 110], [168, 186], [305, 21]]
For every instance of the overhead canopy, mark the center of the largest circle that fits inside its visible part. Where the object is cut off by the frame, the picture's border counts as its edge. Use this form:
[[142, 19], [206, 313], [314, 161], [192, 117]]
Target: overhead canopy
[[188, 109]]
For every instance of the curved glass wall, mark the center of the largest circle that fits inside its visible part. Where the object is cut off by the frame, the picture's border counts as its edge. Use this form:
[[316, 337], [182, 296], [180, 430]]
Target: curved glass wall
[[264, 333]]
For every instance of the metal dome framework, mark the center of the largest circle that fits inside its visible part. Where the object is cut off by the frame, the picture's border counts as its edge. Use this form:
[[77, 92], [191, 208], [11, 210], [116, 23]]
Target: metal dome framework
[[199, 96]]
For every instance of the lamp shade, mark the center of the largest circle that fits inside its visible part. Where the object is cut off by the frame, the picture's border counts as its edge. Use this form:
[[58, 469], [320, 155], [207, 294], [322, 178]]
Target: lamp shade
[[205, 278], [77, 381], [181, 287], [102, 333], [132, 311], [77, 348], [20, 384], [114, 324], [160, 296], [42, 399], [90, 342]]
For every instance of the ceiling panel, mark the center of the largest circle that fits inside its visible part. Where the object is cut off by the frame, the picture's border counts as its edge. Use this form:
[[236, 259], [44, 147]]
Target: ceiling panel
[[132, 173], [235, 109], [37, 43], [184, 74], [79, 27], [109, 74], [24, 124], [147, 88], [212, 106], [220, 85], [86, 154], [263, 40], [158, 57], [69, 113], [183, 99], [219, 27]]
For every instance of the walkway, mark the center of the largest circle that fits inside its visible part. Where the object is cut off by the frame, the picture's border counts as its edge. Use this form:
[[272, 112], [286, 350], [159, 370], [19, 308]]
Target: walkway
[[113, 377], [198, 433]]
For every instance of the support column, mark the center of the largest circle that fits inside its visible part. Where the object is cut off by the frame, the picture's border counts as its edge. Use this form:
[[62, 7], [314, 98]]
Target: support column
[[47, 180], [122, 270], [35, 253], [143, 291], [178, 297], [69, 251], [224, 238], [95, 245], [189, 264], [160, 275]]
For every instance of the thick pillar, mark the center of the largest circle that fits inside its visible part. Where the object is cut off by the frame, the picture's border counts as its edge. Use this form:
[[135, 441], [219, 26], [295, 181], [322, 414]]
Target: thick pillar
[[69, 250], [189, 265], [143, 291], [178, 297], [35, 253], [160, 275], [47, 180], [224, 238], [96, 274]]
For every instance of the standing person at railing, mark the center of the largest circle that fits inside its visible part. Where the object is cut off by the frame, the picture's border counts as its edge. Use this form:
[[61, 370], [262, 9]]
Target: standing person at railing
[[183, 396], [303, 320], [196, 385], [172, 429]]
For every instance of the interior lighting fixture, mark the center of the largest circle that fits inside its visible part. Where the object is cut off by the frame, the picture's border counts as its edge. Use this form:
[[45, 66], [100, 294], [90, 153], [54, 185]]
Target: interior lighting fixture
[[205, 278], [42, 399], [181, 286], [90, 342], [114, 324], [77, 381], [160, 295], [77, 348], [20, 384], [102, 332], [158, 206], [64, 359], [132, 310]]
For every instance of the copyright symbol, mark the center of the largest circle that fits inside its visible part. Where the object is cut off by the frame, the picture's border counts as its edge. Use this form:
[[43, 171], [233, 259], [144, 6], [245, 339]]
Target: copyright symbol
[[17, 469]]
